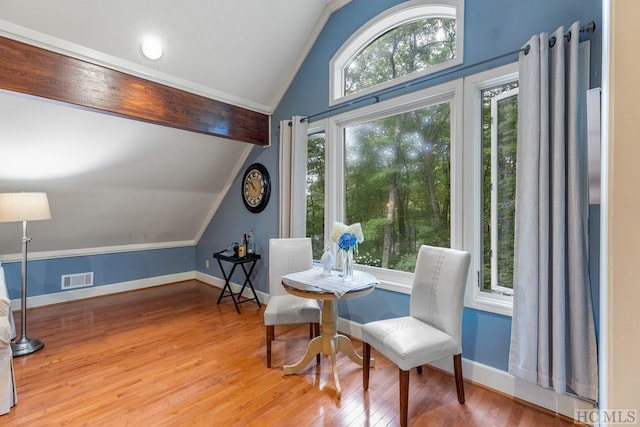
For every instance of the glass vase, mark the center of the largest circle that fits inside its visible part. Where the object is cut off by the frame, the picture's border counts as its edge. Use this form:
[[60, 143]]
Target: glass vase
[[347, 265]]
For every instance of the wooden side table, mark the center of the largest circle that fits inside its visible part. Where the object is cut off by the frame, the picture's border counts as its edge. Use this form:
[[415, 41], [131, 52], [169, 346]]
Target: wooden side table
[[244, 262], [329, 289]]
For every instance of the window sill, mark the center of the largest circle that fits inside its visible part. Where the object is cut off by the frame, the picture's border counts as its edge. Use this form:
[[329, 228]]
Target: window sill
[[400, 281], [499, 304], [390, 280]]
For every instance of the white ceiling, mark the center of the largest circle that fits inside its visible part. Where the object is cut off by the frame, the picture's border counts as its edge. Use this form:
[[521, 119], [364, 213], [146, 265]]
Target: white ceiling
[[116, 182], [240, 51]]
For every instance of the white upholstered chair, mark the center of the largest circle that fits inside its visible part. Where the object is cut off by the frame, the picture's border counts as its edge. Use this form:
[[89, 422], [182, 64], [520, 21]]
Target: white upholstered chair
[[8, 396], [433, 329], [286, 256]]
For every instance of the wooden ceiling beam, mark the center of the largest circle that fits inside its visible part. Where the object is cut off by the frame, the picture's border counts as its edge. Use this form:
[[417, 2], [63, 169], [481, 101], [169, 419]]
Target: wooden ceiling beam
[[39, 72]]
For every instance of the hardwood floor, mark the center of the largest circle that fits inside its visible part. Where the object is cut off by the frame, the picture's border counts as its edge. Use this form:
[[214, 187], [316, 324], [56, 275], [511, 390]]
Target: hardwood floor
[[169, 356]]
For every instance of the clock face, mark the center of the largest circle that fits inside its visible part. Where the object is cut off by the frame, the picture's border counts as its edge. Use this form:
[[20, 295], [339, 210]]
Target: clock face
[[256, 187]]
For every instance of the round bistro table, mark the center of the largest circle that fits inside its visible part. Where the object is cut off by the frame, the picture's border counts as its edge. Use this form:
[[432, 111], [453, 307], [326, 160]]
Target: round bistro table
[[329, 289]]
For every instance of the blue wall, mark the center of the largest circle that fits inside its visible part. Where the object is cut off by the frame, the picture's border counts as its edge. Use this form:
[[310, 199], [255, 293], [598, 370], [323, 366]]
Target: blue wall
[[232, 220], [487, 34], [43, 276]]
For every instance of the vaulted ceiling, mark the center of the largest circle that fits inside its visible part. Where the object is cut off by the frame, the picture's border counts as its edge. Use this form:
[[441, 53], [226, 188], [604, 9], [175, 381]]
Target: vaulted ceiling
[[117, 182]]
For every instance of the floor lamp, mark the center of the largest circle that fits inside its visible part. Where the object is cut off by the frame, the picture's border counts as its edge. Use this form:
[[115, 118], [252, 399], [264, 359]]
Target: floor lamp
[[16, 207]]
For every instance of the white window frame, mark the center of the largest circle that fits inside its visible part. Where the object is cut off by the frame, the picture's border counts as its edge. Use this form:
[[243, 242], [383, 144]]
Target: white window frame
[[475, 297], [451, 92], [392, 18], [495, 286]]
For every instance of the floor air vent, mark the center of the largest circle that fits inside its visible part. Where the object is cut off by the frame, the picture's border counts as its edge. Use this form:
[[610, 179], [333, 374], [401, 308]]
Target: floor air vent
[[79, 280]]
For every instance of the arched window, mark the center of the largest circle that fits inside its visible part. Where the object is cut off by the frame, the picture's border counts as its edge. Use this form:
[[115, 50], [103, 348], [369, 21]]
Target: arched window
[[411, 40]]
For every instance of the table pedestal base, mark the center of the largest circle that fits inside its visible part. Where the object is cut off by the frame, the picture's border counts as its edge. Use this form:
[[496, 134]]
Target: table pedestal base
[[328, 343]]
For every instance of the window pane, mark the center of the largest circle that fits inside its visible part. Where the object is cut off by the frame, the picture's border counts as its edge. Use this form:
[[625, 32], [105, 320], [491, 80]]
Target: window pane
[[403, 50], [499, 179], [398, 185], [315, 192]]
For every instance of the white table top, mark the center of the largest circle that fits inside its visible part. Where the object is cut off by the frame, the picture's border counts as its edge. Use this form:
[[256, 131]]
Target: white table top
[[313, 278]]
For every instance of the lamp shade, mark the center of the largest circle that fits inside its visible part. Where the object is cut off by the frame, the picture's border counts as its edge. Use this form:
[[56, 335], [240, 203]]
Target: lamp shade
[[16, 207]]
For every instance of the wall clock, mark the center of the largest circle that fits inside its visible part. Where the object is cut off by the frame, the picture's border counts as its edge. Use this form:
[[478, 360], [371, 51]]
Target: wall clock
[[256, 187]]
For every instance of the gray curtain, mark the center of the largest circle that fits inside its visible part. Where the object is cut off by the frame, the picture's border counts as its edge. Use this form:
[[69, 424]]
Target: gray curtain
[[553, 340], [293, 177]]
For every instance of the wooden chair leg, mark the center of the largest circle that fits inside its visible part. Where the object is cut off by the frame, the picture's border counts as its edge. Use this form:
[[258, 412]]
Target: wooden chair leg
[[404, 397], [270, 336], [457, 371], [316, 333], [366, 364]]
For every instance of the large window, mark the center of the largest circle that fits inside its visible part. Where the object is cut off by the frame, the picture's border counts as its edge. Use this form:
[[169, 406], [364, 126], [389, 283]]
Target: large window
[[401, 169], [391, 167], [411, 40], [397, 167], [397, 184]]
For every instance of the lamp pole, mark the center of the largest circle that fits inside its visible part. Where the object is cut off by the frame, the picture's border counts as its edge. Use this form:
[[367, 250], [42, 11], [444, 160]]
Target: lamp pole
[[25, 345]]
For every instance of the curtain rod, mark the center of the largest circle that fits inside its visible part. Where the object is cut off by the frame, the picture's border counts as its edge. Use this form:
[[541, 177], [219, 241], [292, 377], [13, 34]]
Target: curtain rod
[[588, 28]]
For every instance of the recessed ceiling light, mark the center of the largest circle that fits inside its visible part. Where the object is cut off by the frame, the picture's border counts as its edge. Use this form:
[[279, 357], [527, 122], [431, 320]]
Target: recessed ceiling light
[[151, 48]]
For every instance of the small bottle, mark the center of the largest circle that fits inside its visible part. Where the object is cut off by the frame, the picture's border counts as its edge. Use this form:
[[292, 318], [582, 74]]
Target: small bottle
[[242, 249], [251, 249], [327, 260]]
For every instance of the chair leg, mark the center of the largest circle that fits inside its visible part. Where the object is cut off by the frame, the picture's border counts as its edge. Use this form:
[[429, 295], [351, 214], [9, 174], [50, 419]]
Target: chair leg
[[457, 371], [404, 397], [270, 336], [316, 333], [366, 364]]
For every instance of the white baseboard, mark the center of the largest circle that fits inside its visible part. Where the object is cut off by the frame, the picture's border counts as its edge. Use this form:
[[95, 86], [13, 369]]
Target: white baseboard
[[476, 372], [95, 291], [498, 380]]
